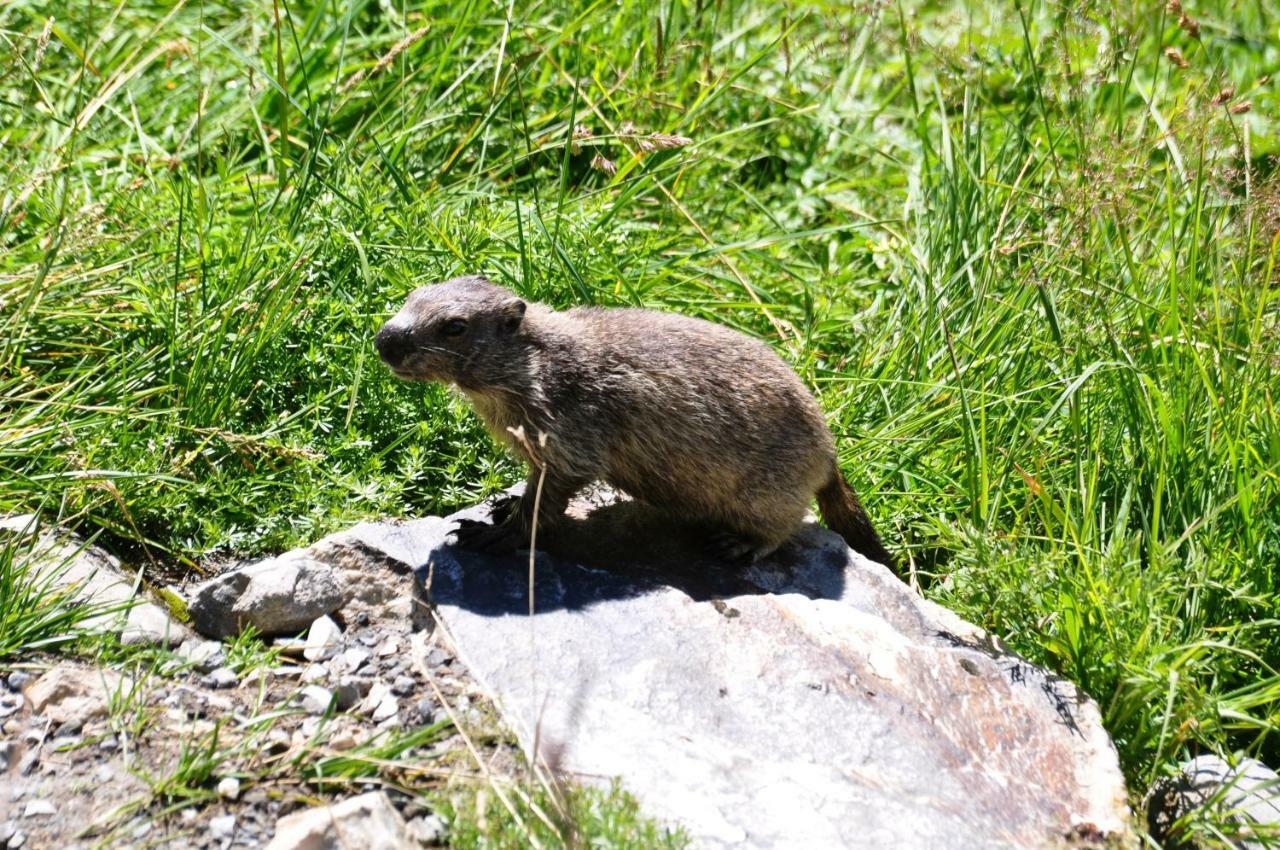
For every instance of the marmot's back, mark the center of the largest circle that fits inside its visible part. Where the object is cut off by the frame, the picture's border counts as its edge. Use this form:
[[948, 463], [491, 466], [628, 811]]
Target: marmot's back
[[690, 416]]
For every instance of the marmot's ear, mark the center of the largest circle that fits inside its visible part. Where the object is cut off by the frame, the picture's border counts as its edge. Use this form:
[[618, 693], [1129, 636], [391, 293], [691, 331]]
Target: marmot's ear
[[513, 313]]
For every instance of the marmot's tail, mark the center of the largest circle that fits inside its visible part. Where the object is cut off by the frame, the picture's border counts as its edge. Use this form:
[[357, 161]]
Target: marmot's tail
[[844, 515]]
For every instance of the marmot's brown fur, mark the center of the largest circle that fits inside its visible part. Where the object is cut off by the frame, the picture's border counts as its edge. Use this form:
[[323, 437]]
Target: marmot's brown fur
[[688, 416]]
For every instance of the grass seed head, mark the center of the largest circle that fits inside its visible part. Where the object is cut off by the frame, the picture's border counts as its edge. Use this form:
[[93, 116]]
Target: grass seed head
[[1176, 57], [600, 163]]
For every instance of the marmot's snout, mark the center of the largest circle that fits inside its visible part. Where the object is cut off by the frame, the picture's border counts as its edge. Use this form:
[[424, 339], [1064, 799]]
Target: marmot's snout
[[393, 342]]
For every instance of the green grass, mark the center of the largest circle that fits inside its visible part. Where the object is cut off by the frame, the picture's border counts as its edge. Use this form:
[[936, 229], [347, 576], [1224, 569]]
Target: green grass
[[1026, 261]]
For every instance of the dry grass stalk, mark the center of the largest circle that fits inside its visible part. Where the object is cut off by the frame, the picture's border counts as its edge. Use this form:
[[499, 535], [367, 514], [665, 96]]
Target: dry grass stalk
[[385, 62]]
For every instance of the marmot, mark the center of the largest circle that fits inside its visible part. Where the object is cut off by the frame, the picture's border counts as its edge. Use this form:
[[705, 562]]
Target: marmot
[[688, 416]]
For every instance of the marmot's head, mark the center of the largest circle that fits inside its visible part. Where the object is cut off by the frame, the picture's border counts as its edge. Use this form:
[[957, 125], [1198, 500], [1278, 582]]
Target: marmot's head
[[465, 331]]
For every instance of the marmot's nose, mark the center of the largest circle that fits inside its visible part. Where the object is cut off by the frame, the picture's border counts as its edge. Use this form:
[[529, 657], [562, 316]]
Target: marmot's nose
[[392, 343]]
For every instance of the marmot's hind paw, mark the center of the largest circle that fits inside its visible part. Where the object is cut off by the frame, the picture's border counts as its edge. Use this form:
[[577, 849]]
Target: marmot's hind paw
[[497, 539], [735, 548]]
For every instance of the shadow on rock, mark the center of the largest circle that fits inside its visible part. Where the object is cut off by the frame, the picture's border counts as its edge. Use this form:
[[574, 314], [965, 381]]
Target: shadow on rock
[[611, 550]]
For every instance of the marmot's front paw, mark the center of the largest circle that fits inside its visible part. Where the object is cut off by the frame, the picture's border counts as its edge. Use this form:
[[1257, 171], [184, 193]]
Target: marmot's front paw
[[499, 538]]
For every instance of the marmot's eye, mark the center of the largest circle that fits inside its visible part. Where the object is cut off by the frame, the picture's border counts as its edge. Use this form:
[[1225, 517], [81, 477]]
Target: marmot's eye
[[454, 327]]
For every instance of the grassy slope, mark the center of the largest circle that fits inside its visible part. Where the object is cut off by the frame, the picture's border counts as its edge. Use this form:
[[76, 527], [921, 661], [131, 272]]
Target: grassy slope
[[1022, 257]]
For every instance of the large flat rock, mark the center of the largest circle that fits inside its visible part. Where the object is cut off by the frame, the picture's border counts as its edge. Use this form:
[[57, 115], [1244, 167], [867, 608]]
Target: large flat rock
[[810, 701]]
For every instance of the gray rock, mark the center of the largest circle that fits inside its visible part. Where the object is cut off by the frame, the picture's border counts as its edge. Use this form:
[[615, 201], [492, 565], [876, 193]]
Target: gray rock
[[424, 711], [279, 596], [67, 692], [812, 700], [370, 816], [428, 829], [323, 640], [6, 755], [314, 699], [205, 655], [223, 677], [354, 658], [314, 674], [404, 686], [1246, 795], [223, 826], [39, 808], [99, 580], [350, 690], [18, 680], [10, 704]]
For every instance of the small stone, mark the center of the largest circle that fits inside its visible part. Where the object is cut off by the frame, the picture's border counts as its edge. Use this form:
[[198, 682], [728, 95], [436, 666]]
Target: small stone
[[349, 691], [223, 677], [141, 830], [437, 657], [314, 699], [322, 639], [10, 704], [28, 762], [18, 839], [425, 711], [109, 743], [222, 826], [38, 808], [362, 619], [204, 655], [370, 816], [404, 686], [7, 829], [6, 753], [367, 638], [229, 787], [315, 674], [105, 773], [18, 680], [388, 648], [354, 658], [71, 726], [428, 829]]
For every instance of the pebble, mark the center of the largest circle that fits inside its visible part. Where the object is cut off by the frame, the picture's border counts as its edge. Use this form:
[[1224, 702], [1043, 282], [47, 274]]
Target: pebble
[[18, 680], [314, 674], [109, 743], [388, 648], [105, 773], [354, 658], [322, 639], [404, 686], [29, 762], [222, 826], [38, 808], [314, 699], [425, 711], [6, 752], [229, 787], [437, 657], [10, 704], [222, 677], [428, 829], [18, 839], [349, 692], [204, 655]]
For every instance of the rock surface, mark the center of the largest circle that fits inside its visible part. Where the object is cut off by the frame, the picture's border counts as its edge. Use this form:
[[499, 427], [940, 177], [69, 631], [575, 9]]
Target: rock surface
[[99, 580], [279, 596], [811, 700], [368, 821], [1247, 794]]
